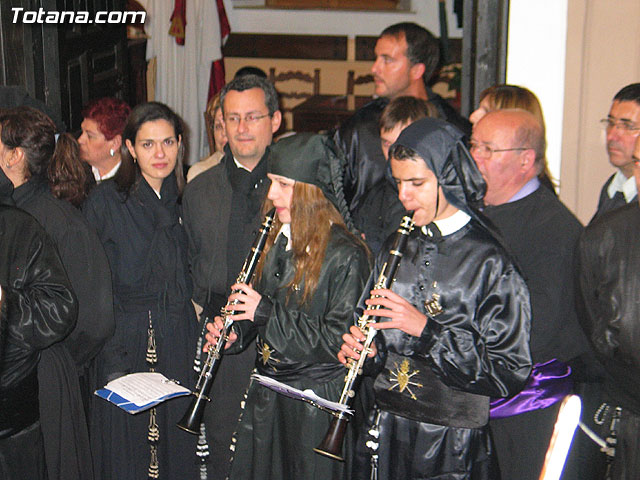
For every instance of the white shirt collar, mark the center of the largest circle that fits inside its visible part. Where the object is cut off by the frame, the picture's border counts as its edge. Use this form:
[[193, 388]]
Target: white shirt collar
[[286, 231], [449, 225], [620, 183], [239, 165], [111, 173]]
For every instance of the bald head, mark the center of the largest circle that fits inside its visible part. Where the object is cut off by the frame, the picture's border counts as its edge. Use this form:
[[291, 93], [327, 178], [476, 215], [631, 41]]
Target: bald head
[[521, 138]]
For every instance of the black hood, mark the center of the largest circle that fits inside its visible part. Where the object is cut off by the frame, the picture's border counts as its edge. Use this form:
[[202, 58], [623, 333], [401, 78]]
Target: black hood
[[441, 146]]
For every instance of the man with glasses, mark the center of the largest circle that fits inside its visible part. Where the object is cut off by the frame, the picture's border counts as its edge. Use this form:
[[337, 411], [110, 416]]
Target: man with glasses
[[622, 127], [509, 149], [221, 214]]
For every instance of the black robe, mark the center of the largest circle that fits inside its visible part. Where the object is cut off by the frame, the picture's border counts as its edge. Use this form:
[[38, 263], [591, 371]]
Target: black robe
[[39, 309], [433, 391], [63, 366], [609, 282], [146, 246], [297, 344]]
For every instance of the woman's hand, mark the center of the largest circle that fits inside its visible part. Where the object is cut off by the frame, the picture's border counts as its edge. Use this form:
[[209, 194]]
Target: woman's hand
[[401, 314], [352, 346], [248, 300], [215, 328]]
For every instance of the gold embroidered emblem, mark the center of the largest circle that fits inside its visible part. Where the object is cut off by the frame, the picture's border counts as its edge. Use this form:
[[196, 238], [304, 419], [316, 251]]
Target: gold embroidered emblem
[[265, 352], [432, 306], [402, 377]]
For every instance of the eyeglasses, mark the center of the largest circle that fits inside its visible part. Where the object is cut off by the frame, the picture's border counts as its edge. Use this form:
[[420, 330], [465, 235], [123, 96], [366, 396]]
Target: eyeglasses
[[626, 126], [486, 151], [249, 119]]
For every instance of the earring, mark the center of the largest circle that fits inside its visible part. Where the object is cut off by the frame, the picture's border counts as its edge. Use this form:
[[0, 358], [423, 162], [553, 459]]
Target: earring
[[112, 152]]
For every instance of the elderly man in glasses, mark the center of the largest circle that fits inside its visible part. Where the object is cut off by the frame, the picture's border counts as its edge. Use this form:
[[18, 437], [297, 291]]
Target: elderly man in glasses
[[622, 126], [509, 149]]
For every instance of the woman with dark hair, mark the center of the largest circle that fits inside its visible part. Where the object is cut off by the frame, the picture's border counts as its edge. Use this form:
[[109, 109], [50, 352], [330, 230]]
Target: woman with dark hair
[[27, 146], [307, 286], [101, 138], [136, 215]]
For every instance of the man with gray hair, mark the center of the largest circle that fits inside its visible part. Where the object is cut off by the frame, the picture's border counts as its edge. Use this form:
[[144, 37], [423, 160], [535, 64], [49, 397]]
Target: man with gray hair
[[221, 214], [509, 149]]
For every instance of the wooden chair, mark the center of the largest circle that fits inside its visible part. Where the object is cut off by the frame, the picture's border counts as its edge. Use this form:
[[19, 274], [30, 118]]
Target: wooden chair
[[352, 80], [278, 78]]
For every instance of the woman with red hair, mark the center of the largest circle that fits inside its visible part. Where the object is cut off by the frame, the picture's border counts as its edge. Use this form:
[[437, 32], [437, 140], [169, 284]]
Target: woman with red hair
[[101, 137]]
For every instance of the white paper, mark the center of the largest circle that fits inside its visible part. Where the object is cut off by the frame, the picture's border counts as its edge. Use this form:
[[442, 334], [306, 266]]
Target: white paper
[[307, 395]]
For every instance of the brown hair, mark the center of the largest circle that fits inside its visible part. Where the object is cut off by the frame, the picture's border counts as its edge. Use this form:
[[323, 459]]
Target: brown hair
[[404, 111], [501, 97], [58, 162], [312, 217], [68, 177]]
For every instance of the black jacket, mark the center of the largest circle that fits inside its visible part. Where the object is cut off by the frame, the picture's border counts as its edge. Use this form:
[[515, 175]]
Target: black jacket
[[39, 309], [608, 266]]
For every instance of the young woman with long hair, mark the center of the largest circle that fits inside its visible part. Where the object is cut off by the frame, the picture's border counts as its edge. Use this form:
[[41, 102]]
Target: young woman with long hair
[[311, 276]]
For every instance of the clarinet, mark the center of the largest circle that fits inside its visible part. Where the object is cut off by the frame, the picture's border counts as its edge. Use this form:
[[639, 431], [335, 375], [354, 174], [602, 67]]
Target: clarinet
[[331, 446], [192, 418]]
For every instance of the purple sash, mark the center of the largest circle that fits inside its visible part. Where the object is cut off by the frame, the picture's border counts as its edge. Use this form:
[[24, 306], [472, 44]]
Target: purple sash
[[548, 383]]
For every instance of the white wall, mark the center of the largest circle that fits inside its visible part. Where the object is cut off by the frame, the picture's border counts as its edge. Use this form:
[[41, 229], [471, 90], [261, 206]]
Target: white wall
[[318, 22], [536, 60]]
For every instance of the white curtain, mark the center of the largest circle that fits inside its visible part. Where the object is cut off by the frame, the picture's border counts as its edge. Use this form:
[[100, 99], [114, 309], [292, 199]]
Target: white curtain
[[182, 78]]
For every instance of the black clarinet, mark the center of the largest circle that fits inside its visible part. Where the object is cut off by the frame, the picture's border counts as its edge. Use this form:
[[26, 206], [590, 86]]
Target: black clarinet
[[331, 446], [192, 418]]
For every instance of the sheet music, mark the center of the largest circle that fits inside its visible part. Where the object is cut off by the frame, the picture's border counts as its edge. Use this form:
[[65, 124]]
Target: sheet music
[[139, 391], [307, 395]]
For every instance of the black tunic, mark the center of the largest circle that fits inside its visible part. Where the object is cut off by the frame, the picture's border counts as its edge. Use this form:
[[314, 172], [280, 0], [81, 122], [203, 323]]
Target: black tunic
[[146, 246], [64, 425], [434, 390], [297, 344]]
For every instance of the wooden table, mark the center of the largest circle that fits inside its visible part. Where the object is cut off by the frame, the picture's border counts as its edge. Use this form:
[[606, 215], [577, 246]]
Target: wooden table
[[323, 112]]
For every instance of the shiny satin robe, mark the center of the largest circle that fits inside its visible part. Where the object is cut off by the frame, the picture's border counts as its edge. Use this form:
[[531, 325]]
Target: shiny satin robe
[[297, 345], [433, 391]]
